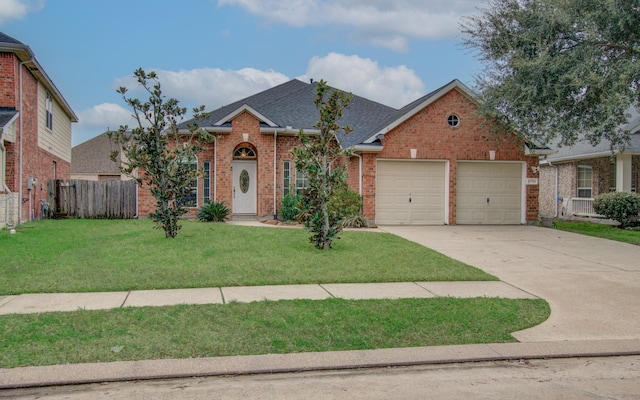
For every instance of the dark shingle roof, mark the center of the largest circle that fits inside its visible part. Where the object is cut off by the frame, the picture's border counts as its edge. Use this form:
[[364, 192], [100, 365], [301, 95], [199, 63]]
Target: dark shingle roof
[[291, 105], [92, 156], [6, 115], [9, 40]]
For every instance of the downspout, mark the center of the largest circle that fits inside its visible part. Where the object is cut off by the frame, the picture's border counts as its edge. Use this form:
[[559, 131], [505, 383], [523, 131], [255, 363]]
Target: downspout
[[275, 173], [359, 173], [4, 184], [360, 181], [556, 189], [215, 168], [20, 152]]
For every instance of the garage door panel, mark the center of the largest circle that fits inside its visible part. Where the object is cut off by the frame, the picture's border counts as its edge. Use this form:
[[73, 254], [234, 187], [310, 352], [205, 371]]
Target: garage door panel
[[499, 183], [410, 192]]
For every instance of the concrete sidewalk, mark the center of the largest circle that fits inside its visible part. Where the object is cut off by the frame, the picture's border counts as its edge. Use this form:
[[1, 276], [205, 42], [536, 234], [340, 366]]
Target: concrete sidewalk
[[37, 303]]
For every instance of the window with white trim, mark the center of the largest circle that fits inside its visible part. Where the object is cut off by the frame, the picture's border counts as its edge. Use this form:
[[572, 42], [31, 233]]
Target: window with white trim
[[612, 177], [206, 181], [634, 178], [49, 111], [585, 175], [286, 177], [191, 200], [301, 181]]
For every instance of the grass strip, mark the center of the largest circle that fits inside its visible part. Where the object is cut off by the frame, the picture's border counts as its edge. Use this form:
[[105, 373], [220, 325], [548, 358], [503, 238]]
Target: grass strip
[[52, 256], [600, 230], [258, 328]]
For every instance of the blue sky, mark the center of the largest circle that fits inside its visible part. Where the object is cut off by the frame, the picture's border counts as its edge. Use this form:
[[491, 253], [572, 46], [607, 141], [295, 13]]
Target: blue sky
[[213, 52]]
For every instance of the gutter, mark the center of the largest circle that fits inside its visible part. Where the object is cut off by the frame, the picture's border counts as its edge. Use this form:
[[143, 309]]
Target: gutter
[[4, 184]]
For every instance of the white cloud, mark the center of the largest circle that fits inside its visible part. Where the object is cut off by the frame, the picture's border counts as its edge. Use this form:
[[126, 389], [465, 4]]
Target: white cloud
[[394, 86], [387, 23], [98, 119], [212, 87], [17, 9]]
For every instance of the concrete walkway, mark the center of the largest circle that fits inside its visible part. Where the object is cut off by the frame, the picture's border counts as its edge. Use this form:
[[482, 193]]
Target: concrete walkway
[[37, 303]]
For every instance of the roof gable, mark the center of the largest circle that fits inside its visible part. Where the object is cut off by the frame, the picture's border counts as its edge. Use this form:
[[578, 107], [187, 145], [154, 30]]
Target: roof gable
[[242, 109], [418, 105]]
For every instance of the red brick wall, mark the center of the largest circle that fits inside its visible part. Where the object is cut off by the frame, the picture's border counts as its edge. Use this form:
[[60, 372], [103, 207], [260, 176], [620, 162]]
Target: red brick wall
[[36, 162], [429, 133]]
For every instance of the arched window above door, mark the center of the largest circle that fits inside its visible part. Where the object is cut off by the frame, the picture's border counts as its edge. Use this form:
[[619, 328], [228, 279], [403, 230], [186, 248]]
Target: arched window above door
[[244, 153]]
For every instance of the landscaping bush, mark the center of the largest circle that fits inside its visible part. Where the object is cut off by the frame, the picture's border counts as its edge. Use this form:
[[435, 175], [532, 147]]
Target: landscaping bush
[[619, 206], [346, 201], [355, 221], [289, 206], [215, 211]]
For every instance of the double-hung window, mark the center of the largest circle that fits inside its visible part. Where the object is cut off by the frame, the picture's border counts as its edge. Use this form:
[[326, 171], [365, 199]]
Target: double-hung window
[[301, 179], [49, 111], [191, 200], [585, 173], [206, 181]]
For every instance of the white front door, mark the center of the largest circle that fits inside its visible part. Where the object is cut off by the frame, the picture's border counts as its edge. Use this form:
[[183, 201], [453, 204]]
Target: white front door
[[244, 187]]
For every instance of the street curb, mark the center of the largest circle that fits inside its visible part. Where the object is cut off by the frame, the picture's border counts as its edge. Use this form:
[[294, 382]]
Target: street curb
[[75, 374]]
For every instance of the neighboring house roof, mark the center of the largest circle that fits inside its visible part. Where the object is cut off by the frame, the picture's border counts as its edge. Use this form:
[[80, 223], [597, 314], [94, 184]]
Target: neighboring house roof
[[93, 157], [25, 55], [7, 116], [585, 150]]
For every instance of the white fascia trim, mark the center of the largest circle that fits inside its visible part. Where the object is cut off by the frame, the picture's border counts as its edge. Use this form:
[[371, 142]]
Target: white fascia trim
[[359, 148], [579, 157], [11, 121], [249, 109], [434, 97], [210, 129]]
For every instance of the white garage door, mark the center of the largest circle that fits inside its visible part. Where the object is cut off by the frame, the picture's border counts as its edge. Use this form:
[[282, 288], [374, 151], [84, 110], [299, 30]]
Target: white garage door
[[489, 193], [410, 192]]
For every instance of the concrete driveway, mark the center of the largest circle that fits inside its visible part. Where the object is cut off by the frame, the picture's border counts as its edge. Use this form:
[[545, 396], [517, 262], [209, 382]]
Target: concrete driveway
[[592, 285]]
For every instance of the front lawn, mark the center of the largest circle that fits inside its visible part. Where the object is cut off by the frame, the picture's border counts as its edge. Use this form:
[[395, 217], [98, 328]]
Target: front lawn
[[258, 328], [600, 230], [120, 255]]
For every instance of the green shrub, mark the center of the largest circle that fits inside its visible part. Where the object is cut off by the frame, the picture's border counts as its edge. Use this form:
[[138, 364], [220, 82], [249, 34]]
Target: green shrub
[[215, 211], [355, 221], [618, 206], [289, 206], [346, 201]]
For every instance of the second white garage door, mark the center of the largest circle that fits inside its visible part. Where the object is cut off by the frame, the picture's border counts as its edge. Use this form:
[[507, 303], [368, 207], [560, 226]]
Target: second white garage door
[[489, 193], [410, 192]]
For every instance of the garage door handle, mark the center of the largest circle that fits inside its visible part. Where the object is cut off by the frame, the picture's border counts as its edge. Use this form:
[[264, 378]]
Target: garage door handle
[[409, 198], [487, 200]]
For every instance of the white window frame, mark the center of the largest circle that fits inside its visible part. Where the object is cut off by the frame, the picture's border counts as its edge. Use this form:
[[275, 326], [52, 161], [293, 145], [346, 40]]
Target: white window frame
[[581, 181], [49, 111]]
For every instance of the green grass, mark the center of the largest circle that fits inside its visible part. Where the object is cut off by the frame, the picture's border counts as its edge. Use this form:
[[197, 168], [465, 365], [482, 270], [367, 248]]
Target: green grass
[[258, 328], [601, 231], [119, 255]]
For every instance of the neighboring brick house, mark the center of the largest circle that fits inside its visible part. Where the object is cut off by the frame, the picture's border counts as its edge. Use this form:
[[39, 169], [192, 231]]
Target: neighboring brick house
[[91, 160], [573, 176], [431, 162], [35, 133]]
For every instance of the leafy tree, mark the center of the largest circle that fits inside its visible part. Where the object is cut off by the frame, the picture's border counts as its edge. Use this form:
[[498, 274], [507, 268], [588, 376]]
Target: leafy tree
[[157, 154], [318, 157], [559, 67]]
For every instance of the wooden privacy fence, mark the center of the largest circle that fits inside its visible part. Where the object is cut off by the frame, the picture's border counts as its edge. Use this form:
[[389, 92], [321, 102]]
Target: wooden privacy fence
[[92, 199]]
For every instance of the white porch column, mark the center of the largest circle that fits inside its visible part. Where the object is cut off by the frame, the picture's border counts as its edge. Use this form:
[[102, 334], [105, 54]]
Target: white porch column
[[623, 172]]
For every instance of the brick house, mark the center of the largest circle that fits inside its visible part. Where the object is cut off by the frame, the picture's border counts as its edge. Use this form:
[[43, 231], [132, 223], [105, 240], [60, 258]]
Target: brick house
[[430, 162], [35, 133], [573, 176]]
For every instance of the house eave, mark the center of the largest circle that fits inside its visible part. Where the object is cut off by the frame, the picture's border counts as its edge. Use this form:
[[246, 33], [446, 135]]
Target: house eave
[[25, 55], [248, 109], [590, 156], [367, 148], [541, 152]]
